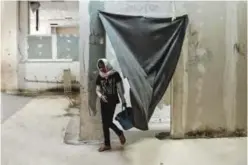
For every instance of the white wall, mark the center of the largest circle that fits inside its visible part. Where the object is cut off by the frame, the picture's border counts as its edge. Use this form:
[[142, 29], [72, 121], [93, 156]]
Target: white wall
[[48, 71], [51, 70]]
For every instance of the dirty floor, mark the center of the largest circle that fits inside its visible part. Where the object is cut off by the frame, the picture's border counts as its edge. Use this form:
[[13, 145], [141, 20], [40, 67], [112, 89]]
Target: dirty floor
[[34, 136]]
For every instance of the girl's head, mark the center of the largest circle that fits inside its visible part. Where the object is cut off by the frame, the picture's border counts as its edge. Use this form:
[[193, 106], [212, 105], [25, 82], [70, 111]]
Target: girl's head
[[101, 66]]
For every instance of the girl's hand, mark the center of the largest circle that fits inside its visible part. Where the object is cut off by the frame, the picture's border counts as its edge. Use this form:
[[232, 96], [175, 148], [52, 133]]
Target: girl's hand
[[124, 105], [104, 98]]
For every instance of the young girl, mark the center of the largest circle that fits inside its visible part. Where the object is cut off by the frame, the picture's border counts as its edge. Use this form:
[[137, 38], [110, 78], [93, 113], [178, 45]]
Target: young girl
[[108, 86]]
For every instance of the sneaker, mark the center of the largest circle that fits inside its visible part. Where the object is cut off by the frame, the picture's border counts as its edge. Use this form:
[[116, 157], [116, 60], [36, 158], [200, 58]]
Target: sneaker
[[122, 139], [104, 148]]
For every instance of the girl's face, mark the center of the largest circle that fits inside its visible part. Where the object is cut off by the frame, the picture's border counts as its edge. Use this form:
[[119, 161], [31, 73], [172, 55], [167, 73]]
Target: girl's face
[[102, 67]]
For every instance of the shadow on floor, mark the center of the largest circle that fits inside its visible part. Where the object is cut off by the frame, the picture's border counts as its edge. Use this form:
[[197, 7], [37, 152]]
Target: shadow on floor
[[135, 135]]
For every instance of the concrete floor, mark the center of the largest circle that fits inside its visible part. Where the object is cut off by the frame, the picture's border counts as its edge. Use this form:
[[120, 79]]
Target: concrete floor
[[160, 122], [10, 104], [34, 136]]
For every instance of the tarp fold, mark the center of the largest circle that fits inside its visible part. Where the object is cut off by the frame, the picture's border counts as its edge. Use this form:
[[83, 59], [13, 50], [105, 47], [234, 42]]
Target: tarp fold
[[148, 50]]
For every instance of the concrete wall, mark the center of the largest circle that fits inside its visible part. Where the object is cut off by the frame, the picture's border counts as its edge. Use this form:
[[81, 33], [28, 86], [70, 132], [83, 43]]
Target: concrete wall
[[214, 80], [206, 61], [9, 45], [209, 90]]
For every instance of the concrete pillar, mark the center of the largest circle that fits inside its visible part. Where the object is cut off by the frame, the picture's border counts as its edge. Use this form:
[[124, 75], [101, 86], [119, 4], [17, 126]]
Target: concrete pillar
[[1, 35], [9, 45], [92, 41], [241, 49], [210, 93], [23, 45], [179, 94]]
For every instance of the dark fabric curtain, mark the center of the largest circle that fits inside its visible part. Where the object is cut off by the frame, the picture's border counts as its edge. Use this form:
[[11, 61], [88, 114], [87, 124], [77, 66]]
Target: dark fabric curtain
[[147, 50]]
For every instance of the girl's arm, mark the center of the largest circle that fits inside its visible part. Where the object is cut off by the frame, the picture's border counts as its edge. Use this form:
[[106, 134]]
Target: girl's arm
[[121, 92], [98, 91]]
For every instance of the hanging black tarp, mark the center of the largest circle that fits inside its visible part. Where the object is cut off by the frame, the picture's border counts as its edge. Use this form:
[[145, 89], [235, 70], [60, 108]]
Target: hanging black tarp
[[147, 50]]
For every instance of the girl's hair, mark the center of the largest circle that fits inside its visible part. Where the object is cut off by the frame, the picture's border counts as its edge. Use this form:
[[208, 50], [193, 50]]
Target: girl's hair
[[100, 63]]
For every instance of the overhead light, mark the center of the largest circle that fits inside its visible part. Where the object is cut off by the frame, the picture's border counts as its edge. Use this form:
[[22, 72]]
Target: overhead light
[[34, 5]]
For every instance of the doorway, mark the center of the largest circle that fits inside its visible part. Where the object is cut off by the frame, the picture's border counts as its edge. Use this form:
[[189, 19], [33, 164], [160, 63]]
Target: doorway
[[161, 118]]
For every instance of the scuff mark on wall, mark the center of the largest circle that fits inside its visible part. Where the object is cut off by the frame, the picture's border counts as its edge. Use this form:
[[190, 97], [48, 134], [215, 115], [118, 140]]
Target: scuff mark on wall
[[199, 55], [240, 48]]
